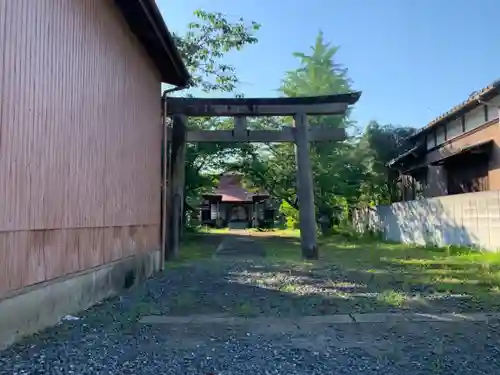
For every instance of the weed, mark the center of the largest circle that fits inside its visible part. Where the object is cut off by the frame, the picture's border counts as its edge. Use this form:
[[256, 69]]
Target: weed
[[392, 297], [185, 301], [245, 309], [140, 309], [289, 288]]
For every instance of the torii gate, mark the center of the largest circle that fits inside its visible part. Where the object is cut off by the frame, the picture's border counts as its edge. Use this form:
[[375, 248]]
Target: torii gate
[[180, 109]]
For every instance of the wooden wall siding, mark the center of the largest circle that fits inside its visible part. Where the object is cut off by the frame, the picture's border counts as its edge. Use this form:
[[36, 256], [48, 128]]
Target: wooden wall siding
[[80, 139], [30, 257]]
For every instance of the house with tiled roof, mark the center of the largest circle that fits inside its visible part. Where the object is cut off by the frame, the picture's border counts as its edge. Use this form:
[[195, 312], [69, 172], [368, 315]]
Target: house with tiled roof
[[456, 153], [232, 205]]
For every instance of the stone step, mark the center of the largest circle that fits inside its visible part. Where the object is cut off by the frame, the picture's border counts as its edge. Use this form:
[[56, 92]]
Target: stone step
[[238, 225]]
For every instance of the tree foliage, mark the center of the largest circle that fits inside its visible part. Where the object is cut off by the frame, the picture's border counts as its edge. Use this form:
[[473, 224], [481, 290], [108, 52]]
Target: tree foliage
[[334, 169], [347, 174], [205, 44], [203, 47], [379, 145]]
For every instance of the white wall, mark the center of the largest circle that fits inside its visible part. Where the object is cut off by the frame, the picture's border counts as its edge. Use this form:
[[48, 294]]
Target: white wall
[[431, 141], [454, 128], [440, 135], [493, 108], [465, 219], [474, 118], [213, 211]]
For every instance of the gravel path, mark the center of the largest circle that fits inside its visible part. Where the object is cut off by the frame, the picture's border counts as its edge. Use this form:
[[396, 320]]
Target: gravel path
[[108, 339]]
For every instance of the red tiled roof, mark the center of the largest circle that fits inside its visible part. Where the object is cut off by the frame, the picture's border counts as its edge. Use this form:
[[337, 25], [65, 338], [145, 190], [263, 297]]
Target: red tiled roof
[[234, 195], [230, 189]]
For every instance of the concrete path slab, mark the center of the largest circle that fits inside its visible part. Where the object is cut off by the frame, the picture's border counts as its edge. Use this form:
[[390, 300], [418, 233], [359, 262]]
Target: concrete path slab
[[379, 318], [453, 317], [239, 246], [231, 320], [322, 319]]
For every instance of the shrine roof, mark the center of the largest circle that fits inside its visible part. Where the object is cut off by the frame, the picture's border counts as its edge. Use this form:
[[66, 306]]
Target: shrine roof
[[230, 189]]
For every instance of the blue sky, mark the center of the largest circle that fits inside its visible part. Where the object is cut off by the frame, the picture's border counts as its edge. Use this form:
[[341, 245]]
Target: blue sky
[[413, 60]]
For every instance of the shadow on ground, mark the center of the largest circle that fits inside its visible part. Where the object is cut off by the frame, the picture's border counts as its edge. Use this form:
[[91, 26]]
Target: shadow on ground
[[366, 276], [349, 278], [109, 338]]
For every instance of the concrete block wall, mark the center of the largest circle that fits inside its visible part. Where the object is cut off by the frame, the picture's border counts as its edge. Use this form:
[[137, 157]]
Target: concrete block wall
[[465, 219]]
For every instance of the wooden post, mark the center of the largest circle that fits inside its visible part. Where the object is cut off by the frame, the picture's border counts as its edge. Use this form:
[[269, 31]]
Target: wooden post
[[182, 187], [240, 126], [218, 215], [252, 214], [178, 181], [305, 189]]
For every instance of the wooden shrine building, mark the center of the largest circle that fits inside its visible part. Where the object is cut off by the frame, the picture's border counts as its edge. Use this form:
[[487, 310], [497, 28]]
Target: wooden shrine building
[[231, 205]]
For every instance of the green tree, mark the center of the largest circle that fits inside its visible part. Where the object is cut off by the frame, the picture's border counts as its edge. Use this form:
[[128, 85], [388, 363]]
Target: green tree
[[336, 169], [346, 174], [203, 47], [378, 145], [206, 42]]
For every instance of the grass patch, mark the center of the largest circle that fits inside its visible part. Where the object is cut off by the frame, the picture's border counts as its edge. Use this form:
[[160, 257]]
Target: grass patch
[[184, 301], [282, 246], [398, 271], [392, 297], [289, 288], [206, 229], [395, 273], [245, 309], [141, 309], [194, 247], [451, 269], [293, 233]]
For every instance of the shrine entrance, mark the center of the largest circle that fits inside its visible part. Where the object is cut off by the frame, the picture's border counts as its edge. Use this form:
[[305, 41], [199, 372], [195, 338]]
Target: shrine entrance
[[238, 213], [238, 217], [177, 134]]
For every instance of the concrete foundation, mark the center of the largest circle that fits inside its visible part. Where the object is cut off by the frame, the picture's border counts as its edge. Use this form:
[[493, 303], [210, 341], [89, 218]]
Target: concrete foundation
[[46, 304]]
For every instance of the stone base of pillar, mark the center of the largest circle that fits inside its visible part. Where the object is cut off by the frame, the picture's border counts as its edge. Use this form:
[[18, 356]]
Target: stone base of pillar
[[310, 252]]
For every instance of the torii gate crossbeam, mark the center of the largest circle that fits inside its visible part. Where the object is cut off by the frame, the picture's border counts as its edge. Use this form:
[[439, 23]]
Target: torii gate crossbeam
[[180, 109]]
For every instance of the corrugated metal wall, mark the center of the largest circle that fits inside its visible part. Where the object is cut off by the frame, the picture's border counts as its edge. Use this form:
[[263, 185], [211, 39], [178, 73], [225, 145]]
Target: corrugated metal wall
[[80, 140]]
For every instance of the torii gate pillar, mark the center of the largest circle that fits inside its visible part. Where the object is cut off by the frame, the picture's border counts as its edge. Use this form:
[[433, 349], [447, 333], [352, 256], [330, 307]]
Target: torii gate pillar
[[305, 188]]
